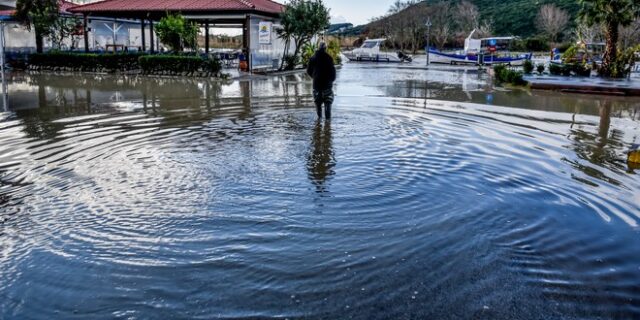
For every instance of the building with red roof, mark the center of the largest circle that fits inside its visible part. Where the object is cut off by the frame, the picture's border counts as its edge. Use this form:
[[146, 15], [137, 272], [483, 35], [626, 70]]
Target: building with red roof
[[159, 8], [256, 18]]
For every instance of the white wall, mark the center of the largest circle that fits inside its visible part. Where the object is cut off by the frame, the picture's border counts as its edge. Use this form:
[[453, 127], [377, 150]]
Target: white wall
[[264, 54]]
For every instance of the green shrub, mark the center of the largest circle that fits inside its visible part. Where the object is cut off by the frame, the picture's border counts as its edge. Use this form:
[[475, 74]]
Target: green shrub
[[555, 69], [528, 67], [68, 61], [333, 49], [540, 69], [505, 75], [623, 62], [182, 64], [582, 70], [290, 62], [149, 64], [308, 51]]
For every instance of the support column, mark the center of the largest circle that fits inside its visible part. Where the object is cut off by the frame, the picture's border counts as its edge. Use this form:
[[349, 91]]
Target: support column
[[152, 48], [144, 42], [246, 38], [206, 37], [86, 33]]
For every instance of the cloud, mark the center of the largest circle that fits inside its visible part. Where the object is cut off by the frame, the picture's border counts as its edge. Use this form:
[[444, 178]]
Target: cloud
[[338, 19]]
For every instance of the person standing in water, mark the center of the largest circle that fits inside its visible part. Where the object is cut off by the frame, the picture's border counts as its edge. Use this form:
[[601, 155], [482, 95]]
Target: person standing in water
[[321, 68]]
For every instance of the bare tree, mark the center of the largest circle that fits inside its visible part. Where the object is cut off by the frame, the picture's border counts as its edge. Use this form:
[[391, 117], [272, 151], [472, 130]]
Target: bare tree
[[442, 23], [630, 35], [589, 34], [468, 16], [485, 29], [552, 21]]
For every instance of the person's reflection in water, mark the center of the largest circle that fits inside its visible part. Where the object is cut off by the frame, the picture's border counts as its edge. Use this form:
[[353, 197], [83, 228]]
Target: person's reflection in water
[[321, 159]]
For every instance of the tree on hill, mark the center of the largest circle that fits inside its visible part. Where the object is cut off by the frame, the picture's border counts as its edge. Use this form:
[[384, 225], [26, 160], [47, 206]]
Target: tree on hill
[[611, 14], [552, 21], [39, 16]]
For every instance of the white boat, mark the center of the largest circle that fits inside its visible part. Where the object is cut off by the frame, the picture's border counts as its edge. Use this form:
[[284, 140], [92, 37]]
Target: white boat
[[485, 51], [370, 51]]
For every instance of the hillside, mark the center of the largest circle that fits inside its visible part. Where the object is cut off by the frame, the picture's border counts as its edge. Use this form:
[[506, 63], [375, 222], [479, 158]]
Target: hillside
[[517, 17], [513, 17]]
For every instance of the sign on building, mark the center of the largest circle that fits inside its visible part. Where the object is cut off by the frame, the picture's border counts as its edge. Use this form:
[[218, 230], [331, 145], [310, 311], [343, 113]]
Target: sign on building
[[264, 32]]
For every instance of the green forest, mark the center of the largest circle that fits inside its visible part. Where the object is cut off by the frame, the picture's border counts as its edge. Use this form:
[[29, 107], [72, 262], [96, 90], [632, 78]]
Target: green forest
[[517, 17], [513, 17]]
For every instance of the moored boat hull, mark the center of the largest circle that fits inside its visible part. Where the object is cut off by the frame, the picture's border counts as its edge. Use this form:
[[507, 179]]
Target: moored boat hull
[[446, 58], [378, 57]]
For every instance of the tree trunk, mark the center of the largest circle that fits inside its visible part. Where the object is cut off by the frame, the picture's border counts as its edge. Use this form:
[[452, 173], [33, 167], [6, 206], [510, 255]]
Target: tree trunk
[[39, 42], [286, 52], [611, 50]]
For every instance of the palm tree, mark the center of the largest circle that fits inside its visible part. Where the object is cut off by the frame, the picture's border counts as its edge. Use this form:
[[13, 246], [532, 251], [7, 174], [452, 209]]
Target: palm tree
[[611, 14], [40, 15]]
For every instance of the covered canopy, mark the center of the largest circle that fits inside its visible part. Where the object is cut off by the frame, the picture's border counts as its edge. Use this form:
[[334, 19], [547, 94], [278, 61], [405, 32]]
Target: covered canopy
[[155, 9]]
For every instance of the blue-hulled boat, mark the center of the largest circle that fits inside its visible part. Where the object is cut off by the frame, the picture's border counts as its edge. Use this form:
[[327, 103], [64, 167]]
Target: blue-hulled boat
[[485, 51]]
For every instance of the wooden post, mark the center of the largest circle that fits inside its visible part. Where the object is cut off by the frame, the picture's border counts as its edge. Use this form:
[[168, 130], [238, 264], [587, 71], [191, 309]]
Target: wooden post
[[144, 44], [152, 49], [206, 37], [86, 33]]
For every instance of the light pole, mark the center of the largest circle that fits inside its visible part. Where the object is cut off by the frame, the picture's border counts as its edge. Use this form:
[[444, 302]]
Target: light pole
[[428, 25]]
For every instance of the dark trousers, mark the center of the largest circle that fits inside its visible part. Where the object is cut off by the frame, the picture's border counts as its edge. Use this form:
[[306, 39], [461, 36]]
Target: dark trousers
[[325, 97]]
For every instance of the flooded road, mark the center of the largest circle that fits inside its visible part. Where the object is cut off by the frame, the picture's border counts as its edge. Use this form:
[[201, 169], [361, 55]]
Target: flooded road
[[430, 194]]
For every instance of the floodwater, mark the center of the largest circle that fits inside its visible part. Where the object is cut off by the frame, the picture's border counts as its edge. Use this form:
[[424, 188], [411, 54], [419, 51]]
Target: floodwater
[[429, 195]]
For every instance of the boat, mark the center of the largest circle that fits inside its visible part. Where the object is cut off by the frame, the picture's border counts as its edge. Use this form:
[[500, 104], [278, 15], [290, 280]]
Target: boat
[[485, 51], [370, 51]]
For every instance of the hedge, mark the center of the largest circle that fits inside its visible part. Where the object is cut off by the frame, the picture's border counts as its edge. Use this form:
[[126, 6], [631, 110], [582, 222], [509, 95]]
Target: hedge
[[569, 69], [68, 61], [176, 65], [148, 64]]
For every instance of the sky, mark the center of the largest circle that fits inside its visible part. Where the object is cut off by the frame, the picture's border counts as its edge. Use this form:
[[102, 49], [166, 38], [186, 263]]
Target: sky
[[356, 11], [353, 11]]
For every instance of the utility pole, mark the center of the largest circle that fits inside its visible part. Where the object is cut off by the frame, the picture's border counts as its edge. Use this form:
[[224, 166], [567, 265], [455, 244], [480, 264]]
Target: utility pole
[[428, 25]]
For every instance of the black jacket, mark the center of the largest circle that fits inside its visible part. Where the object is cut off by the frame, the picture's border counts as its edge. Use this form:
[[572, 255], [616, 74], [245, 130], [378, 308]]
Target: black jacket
[[322, 70]]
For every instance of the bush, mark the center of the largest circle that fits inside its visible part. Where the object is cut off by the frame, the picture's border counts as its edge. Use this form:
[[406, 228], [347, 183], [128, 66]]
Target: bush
[[150, 64], [68, 61], [290, 62], [582, 70], [578, 69], [559, 69], [176, 65], [555, 69], [333, 49], [528, 67], [307, 52], [505, 75], [623, 63], [177, 32], [540, 69]]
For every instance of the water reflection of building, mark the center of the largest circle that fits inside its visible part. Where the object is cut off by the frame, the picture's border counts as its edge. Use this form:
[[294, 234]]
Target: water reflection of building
[[41, 98]]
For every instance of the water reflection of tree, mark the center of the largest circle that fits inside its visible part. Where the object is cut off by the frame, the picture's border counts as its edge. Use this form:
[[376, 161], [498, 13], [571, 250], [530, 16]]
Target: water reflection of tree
[[321, 159], [601, 148]]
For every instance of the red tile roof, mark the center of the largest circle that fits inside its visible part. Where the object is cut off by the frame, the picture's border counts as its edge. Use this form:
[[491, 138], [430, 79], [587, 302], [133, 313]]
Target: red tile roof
[[66, 5], [267, 6]]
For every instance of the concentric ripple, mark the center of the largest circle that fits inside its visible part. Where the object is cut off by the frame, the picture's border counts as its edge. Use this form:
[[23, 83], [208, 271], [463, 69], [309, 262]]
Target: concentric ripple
[[208, 200]]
